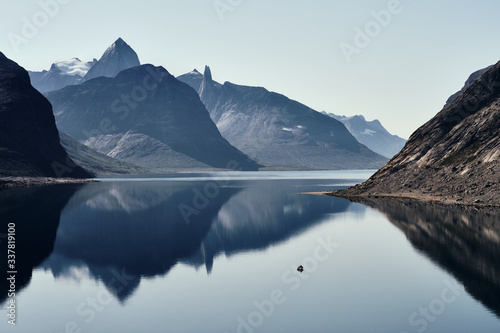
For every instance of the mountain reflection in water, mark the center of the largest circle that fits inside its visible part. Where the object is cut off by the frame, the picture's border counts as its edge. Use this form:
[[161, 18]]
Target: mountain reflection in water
[[465, 241], [124, 231]]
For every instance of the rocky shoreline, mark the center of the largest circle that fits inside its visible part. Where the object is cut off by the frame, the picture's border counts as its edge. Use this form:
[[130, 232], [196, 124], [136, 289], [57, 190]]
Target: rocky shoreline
[[12, 182], [345, 194]]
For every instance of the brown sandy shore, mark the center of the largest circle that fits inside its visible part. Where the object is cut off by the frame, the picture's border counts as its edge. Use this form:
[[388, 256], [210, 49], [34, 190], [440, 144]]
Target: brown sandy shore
[[11, 182]]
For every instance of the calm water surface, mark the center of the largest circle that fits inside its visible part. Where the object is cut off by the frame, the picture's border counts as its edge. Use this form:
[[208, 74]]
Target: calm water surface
[[219, 253]]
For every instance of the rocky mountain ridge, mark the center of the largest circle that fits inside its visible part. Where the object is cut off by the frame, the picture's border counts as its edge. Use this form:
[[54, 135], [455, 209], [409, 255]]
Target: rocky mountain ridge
[[453, 158], [277, 131]]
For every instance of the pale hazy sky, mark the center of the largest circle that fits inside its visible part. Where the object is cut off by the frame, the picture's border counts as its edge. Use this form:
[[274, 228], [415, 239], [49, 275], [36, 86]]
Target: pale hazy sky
[[402, 75]]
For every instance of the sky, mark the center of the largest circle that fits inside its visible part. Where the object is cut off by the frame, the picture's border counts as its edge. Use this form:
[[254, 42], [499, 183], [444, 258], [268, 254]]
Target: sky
[[393, 60]]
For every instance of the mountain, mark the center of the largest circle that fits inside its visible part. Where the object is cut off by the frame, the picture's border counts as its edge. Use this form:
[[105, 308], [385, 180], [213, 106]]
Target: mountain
[[61, 74], [372, 134], [277, 131], [95, 162], [118, 57], [453, 158], [29, 140], [193, 78], [472, 78], [146, 116]]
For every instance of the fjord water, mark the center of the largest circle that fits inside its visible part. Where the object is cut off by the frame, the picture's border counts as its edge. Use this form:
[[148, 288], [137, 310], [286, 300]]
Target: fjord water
[[218, 252]]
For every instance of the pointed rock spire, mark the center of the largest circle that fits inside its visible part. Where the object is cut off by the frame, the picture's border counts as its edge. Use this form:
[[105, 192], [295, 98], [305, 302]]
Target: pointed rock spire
[[208, 93], [207, 75]]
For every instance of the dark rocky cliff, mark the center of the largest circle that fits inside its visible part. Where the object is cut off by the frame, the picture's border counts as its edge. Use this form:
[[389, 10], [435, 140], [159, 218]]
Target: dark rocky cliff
[[29, 140]]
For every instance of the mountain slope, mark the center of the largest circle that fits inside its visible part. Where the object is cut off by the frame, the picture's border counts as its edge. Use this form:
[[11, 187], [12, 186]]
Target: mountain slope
[[145, 114], [372, 134], [118, 57], [453, 158], [95, 162], [278, 131], [29, 140]]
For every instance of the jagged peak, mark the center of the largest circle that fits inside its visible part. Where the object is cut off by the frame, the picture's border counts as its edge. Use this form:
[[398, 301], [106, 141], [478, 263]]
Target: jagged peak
[[207, 74]]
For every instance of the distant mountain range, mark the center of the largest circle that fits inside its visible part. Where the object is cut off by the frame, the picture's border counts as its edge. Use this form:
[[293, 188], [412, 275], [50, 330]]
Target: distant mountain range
[[60, 75], [372, 134], [29, 140], [119, 56], [147, 117], [454, 157], [107, 106], [277, 131]]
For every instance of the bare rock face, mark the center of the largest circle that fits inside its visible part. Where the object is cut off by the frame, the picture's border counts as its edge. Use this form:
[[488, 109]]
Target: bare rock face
[[453, 158], [29, 140]]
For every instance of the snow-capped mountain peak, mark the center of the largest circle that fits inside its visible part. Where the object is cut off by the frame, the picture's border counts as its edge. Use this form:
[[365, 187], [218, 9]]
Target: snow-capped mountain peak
[[74, 66]]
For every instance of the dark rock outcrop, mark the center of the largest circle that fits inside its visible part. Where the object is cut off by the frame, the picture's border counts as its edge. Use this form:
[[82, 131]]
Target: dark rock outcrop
[[29, 140]]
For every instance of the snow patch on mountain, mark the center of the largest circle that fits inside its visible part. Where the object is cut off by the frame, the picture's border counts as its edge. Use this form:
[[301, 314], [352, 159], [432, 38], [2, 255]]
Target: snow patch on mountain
[[368, 132], [74, 66]]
